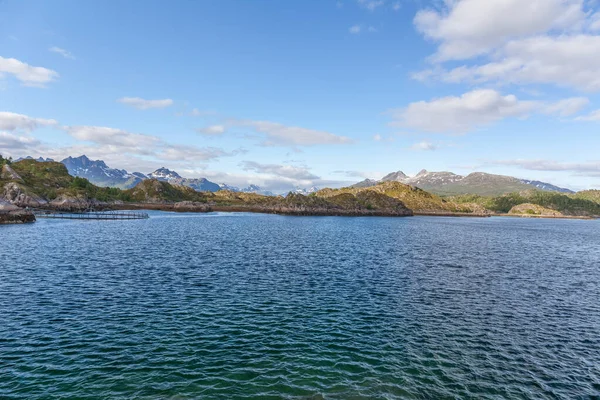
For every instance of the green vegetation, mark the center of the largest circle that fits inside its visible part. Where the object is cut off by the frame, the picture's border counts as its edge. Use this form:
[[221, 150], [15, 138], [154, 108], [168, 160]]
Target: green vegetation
[[38, 182], [158, 191], [590, 195], [5, 161], [574, 204], [50, 180], [414, 198]]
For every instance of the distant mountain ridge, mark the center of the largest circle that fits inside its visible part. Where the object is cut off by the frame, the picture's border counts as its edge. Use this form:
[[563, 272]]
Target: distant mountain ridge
[[479, 183], [100, 174], [198, 184], [248, 189]]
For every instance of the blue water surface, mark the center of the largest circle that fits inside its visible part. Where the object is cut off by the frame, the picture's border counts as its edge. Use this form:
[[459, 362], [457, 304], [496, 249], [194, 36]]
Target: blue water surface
[[219, 306]]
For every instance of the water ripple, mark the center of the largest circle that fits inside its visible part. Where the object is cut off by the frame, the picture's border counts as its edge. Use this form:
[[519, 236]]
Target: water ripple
[[259, 306]]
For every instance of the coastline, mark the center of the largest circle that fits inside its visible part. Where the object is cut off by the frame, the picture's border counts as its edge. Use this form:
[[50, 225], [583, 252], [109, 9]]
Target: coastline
[[16, 217], [582, 217]]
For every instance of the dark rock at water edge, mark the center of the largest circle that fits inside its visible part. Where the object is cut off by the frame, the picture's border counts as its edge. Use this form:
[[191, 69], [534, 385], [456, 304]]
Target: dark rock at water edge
[[16, 217]]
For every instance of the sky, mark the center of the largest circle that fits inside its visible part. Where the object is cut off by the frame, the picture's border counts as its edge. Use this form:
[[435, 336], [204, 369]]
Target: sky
[[294, 93]]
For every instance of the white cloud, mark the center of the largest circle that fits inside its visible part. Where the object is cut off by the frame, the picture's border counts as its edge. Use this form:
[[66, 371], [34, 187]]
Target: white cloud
[[466, 28], [424, 146], [475, 109], [355, 29], [461, 114], [201, 113], [62, 52], [377, 138], [10, 121], [565, 61], [396, 6], [581, 169], [213, 130], [143, 104], [277, 134], [286, 171], [27, 74], [371, 5], [111, 136], [11, 142], [566, 107], [593, 116], [188, 153]]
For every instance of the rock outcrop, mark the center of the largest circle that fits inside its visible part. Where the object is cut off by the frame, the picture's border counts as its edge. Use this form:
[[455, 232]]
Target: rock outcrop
[[15, 194], [529, 209]]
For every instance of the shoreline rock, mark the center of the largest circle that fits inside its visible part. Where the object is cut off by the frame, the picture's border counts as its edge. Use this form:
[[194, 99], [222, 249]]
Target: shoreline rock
[[16, 217]]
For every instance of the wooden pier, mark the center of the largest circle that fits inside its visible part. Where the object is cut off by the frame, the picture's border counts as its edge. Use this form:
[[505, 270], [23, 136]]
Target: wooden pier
[[92, 215]]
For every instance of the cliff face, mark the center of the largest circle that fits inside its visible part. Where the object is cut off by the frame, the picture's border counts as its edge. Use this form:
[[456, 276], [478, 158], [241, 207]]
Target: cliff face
[[16, 194]]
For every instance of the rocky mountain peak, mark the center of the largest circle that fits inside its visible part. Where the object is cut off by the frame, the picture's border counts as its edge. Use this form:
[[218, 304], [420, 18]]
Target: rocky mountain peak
[[397, 176], [164, 174]]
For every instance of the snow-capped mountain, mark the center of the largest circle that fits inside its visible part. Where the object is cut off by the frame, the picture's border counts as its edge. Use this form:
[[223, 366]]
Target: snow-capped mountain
[[198, 184], [306, 191], [248, 189], [100, 174], [164, 174], [449, 183], [256, 189], [231, 188]]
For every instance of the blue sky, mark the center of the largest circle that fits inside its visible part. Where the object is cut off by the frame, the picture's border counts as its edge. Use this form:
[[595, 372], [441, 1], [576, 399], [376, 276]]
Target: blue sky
[[296, 93]]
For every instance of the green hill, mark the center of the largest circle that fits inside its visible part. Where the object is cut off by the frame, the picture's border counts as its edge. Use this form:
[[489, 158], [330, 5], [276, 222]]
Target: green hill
[[567, 204], [414, 198]]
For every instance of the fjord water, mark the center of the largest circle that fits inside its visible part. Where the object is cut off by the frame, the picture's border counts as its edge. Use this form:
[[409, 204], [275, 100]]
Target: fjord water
[[262, 306]]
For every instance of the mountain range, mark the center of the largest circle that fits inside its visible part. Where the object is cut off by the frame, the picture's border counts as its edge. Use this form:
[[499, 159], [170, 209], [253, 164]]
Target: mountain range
[[442, 183], [478, 183], [100, 174]]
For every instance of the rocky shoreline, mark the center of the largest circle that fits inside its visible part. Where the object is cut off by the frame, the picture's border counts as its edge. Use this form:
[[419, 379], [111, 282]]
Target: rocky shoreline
[[16, 217]]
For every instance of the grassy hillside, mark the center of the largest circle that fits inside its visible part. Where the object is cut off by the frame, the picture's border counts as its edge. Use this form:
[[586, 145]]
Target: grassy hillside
[[50, 180], [590, 195], [414, 198], [565, 204], [478, 183]]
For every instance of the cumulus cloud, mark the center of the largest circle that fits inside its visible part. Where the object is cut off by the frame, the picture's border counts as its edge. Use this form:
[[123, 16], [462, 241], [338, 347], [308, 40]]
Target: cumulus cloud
[[112, 140], [424, 146], [276, 134], [285, 171], [213, 130], [27, 74], [463, 28], [529, 42], [111, 136], [10, 121], [475, 109], [143, 104], [568, 61], [62, 52], [11, 142]]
